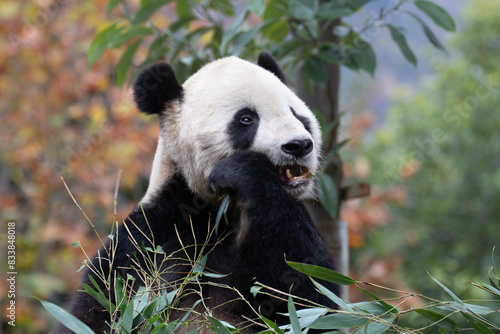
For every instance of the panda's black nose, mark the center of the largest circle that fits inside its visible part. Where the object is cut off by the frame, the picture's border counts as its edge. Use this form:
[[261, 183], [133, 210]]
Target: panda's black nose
[[298, 148]]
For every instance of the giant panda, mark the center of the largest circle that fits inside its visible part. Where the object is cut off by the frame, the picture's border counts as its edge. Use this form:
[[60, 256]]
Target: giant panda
[[233, 129]]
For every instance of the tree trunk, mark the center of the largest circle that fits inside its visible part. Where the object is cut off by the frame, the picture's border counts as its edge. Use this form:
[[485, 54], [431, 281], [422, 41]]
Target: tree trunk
[[325, 99]]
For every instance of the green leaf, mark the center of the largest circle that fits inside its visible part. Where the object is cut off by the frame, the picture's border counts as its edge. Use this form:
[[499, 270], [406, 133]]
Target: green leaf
[[492, 274], [233, 30], [66, 318], [376, 326], [125, 36], [364, 56], [218, 326], [159, 328], [458, 300], [110, 5], [272, 325], [331, 53], [222, 210], [400, 40], [98, 294], [257, 6], [254, 290], [76, 244], [428, 32], [292, 314], [338, 321], [332, 10], [322, 273], [315, 70], [477, 325], [302, 9], [101, 41], [328, 194], [437, 14], [438, 318], [334, 150], [147, 10], [357, 4], [124, 63], [277, 31], [243, 38], [390, 308], [370, 307], [128, 318], [466, 308], [224, 6], [332, 296], [141, 300], [200, 265], [184, 9]]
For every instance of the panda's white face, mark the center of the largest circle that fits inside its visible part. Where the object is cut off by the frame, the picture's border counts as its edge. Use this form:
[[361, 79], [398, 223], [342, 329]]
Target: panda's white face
[[231, 105]]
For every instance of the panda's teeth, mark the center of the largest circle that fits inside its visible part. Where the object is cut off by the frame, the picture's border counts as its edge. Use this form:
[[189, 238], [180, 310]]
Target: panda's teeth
[[289, 174], [280, 170]]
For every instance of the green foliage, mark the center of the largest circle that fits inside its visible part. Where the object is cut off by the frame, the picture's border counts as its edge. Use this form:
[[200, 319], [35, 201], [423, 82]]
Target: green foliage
[[149, 309], [68, 319], [199, 32], [146, 310], [438, 147]]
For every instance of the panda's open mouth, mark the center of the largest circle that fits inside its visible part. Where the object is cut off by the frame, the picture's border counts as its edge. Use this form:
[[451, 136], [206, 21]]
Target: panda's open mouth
[[293, 174]]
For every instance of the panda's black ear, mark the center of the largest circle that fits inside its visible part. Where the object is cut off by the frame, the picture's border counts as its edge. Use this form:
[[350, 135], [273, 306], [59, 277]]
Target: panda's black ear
[[155, 86], [267, 62]]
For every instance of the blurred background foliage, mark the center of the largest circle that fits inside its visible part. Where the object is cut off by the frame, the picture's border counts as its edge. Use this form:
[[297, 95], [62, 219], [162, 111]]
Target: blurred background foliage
[[435, 168], [432, 161]]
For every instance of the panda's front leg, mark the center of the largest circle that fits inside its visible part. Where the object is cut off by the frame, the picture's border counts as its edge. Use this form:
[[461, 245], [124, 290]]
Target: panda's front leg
[[273, 228]]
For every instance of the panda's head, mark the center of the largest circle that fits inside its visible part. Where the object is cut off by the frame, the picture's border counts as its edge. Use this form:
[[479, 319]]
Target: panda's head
[[227, 106]]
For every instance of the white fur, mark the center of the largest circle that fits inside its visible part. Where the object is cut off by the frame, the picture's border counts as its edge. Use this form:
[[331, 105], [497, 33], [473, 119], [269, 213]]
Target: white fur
[[194, 137]]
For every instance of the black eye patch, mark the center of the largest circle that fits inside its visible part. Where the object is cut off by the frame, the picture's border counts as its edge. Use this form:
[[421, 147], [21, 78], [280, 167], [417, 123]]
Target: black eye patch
[[303, 120], [243, 128]]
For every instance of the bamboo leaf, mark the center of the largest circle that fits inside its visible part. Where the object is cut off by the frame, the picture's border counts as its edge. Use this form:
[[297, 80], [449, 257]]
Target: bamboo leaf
[[322, 273], [292, 314], [477, 325], [222, 211], [218, 326], [332, 296], [458, 300], [443, 321], [338, 320], [390, 308], [66, 318], [272, 325]]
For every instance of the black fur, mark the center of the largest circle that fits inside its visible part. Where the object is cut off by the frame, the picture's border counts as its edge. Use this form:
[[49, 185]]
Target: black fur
[[154, 87], [304, 120], [267, 62], [242, 133], [278, 228]]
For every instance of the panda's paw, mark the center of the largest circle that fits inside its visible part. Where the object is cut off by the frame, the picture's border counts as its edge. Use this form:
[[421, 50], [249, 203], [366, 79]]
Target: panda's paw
[[241, 172]]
